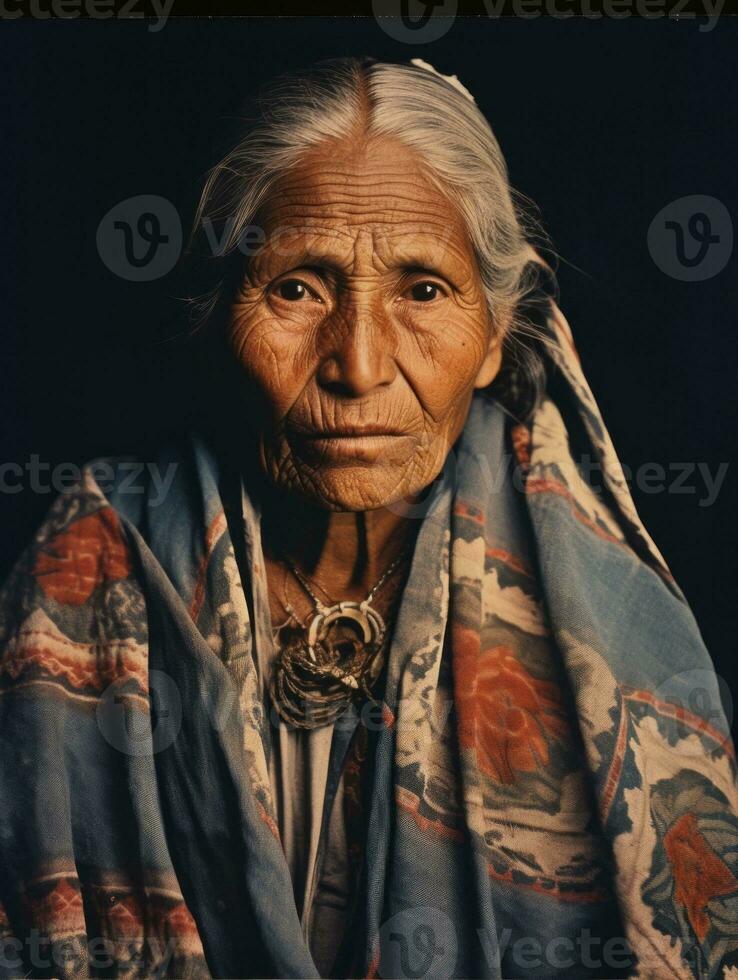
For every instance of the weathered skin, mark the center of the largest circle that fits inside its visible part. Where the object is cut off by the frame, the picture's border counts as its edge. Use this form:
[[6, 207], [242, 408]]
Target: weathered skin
[[334, 331]]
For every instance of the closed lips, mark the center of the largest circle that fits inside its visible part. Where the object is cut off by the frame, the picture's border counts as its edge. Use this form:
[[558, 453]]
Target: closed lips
[[353, 433]]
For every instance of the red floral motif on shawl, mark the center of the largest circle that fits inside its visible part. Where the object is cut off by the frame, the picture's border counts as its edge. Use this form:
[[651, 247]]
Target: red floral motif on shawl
[[700, 874], [505, 713], [88, 553]]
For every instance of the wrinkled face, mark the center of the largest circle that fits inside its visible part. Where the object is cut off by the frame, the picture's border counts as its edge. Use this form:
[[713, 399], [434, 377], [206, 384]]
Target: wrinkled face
[[361, 328]]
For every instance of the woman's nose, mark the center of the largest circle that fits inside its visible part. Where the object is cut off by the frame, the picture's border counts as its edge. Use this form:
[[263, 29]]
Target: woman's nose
[[359, 356]]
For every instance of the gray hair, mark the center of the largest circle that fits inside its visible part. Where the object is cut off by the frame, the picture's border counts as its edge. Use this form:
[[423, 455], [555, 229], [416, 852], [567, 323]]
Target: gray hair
[[431, 116]]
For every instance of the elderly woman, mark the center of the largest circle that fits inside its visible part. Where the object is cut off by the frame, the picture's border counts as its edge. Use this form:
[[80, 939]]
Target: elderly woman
[[383, 686]]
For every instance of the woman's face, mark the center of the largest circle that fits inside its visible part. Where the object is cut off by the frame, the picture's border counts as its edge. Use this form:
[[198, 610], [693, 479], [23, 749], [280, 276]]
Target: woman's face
[[361, 328]]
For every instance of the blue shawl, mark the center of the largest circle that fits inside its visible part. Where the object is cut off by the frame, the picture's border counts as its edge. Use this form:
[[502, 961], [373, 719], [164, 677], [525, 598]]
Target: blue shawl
[[539, 794]]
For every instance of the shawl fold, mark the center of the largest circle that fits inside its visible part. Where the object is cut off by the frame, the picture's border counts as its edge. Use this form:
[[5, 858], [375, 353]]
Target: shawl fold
[[548, 788]]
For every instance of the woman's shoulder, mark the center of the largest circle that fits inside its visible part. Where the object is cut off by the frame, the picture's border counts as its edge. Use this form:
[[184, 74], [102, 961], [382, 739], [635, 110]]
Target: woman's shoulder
[[72, 610], [73, 606], [72, 613]]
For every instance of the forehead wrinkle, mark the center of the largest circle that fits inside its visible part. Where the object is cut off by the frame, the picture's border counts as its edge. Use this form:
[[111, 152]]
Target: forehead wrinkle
[[372, 182], [354, 182], [359, 183], [361, 248], [427, 249], [383, 210], [287, 226], [328, 164]]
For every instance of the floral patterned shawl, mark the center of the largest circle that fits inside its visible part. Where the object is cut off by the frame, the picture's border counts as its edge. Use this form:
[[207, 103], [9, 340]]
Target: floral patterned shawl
[[539, 795]]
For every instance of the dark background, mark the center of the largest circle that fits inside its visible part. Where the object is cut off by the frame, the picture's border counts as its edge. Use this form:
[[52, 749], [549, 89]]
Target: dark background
[[602, 123]]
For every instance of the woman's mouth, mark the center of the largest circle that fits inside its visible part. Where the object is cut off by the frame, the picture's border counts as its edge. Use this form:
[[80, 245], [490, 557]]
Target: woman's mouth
[[358, 444]]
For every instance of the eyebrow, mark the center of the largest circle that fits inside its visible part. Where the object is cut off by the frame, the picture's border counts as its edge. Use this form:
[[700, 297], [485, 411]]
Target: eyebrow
[[321, 260], [269, 256]]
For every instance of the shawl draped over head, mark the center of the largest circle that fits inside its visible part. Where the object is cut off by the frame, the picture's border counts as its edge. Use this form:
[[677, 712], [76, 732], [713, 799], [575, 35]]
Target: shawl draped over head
[[539, 794]]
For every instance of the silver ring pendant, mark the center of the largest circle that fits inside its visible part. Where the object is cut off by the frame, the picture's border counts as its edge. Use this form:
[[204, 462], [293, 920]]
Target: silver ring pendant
[[315, 680], [367, 620]]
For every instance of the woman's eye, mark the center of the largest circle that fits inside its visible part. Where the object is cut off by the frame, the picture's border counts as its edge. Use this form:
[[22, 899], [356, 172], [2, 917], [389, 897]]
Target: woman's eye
[[294, 290], [423, 292]]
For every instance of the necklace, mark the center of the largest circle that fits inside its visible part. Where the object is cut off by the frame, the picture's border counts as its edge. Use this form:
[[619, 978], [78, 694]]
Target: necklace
[[331, 660]]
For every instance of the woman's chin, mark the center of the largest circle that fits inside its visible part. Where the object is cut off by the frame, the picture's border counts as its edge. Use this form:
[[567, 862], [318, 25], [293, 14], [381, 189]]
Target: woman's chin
[[366, 491], [353, 488]]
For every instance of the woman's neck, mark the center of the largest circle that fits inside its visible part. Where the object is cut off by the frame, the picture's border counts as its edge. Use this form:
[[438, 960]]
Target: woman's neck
[[345, 552]]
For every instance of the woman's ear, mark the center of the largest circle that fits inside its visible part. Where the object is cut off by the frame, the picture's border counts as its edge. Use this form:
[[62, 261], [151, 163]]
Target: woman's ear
[[493, 358]]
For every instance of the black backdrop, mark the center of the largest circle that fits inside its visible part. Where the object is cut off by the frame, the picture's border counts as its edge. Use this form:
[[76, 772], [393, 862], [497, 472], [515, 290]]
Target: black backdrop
[[602, 124]]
